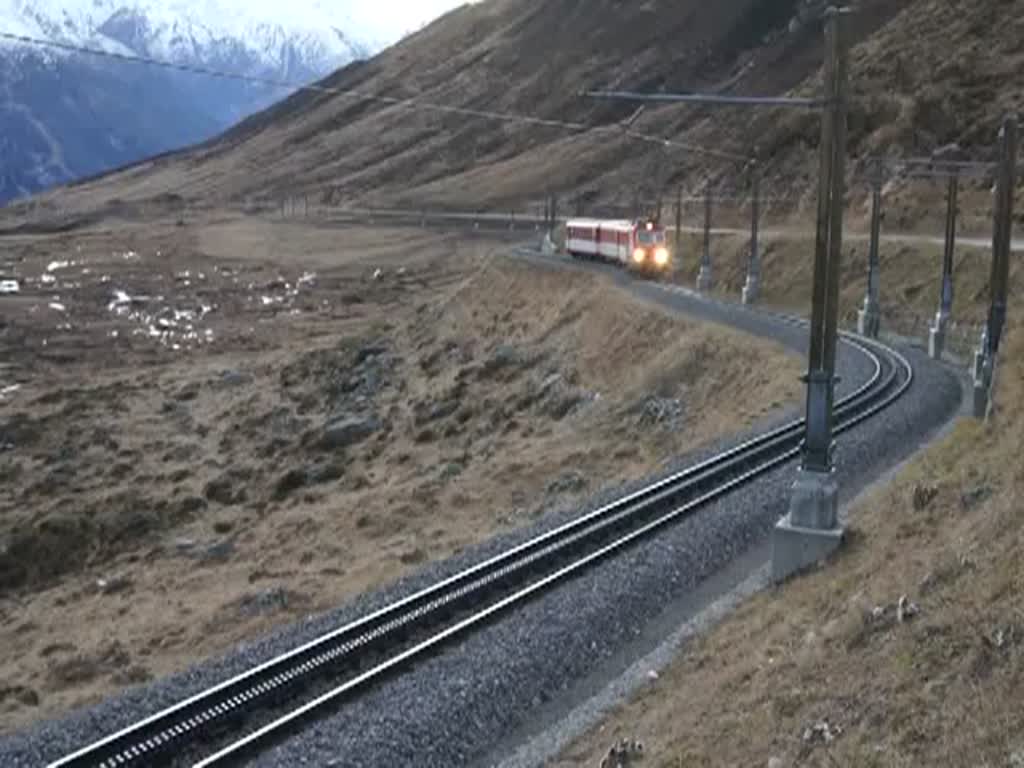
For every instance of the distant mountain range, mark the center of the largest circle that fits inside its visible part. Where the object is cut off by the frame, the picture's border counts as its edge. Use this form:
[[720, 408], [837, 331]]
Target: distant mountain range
[[65, 115]]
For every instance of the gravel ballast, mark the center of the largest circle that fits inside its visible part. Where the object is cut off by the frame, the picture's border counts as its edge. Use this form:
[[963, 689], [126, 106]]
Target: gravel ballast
[[475, 702]]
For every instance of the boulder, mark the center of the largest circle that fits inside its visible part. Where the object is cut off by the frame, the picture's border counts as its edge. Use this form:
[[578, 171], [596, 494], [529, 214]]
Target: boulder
[[225, 489], [505, 357], [430, 411], [290, 481], [348, 429], [369, 351], [233, 378]]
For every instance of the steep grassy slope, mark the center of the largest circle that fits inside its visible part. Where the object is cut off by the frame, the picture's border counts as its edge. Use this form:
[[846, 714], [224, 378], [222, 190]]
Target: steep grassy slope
[[78, 116], [926, 72], [512, 56], [939, 687]]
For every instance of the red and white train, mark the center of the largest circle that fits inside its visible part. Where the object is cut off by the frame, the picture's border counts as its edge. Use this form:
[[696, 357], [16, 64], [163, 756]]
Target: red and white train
[[639, 245]]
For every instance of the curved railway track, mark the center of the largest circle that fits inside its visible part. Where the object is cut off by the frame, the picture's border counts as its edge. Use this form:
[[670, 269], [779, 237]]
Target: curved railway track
[[247, 713]]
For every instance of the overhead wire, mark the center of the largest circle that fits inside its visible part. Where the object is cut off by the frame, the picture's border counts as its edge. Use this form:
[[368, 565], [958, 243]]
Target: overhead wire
[[406, 102]]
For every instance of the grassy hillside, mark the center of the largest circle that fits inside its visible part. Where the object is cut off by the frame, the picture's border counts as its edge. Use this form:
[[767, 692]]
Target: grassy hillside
[[534, 58], [941, 687]]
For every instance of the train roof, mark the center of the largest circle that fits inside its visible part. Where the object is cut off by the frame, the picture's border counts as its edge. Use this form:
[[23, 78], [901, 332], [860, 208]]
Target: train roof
[[624, 223]]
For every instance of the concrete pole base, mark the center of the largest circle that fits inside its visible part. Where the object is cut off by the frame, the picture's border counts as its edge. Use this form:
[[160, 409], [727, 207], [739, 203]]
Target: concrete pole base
[[979, 364], [936, 342], [981, 398], [704, 279], [811, 530], [869, 322], [795, 549], [751, 290], [815, 500]]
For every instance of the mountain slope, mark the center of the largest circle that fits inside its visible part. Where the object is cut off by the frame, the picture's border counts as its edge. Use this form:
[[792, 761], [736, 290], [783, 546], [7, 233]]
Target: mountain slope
[[66, 115], [184, 31], [70, 118], [912, 94]]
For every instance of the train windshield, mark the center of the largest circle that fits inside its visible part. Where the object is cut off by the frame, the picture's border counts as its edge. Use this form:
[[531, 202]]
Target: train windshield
[[651, 238]]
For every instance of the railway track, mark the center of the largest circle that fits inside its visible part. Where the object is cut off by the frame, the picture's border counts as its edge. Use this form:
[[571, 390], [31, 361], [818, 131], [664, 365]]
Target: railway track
[[498, 223], [228, 723]]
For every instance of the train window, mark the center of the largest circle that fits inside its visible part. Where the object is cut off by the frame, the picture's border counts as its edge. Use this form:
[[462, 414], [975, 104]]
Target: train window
[[650, 238]]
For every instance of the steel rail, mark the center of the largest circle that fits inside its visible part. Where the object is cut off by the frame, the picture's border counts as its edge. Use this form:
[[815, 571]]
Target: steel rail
[[273, 731], [265, 669], [940, 163], [155, 734], [410, 218], [346, 214]]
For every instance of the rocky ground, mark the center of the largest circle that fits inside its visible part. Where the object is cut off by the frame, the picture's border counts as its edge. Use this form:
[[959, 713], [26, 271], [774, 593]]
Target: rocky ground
[[213, 428]]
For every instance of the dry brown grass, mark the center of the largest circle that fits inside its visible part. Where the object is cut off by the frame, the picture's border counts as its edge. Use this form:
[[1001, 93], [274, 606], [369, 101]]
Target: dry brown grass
[[942, 688], [910, 281], [925, 73], [131, 460], [521, 57]]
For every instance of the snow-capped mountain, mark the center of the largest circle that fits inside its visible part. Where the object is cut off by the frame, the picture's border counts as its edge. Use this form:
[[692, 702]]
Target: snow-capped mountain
[[192, 31], [64, 115]]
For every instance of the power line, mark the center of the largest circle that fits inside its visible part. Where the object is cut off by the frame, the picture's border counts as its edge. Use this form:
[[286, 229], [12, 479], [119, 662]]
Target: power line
[[708, 99], [410, 102]]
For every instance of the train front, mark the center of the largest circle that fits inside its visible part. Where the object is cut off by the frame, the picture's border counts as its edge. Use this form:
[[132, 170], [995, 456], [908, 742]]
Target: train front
[[650, 251]]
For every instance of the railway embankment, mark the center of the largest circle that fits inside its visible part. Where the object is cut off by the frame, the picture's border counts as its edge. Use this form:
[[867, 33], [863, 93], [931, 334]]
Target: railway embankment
[[229, 427], [905, 650]]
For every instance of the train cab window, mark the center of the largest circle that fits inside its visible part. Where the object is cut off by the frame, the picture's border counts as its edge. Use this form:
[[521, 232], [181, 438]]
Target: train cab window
[[651, 238]]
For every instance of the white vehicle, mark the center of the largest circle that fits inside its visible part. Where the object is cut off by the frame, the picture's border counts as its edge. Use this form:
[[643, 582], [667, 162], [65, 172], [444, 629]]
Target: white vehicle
[[639, 245]]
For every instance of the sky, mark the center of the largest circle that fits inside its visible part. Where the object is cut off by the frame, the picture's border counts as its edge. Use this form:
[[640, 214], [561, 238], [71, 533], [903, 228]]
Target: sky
[[388, 20], [376, 22]]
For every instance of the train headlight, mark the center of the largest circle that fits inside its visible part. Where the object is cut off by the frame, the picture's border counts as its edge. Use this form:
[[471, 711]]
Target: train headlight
[[639, 255], [661, 257]]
